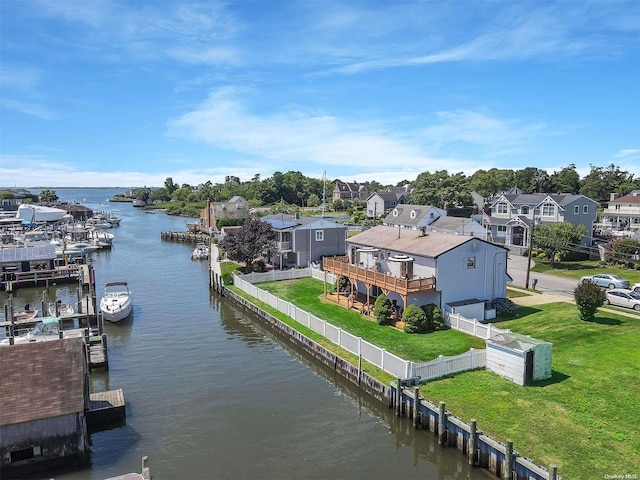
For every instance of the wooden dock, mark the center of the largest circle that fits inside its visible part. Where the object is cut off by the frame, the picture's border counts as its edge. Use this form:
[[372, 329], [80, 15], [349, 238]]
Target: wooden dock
[[187, 237], [106, 407], [96, 352], [36, 278]]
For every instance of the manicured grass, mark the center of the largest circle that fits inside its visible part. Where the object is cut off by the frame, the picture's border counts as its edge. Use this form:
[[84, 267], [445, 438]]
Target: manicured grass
[[585, 418], [307, 294], [512, 293], [576, 270]]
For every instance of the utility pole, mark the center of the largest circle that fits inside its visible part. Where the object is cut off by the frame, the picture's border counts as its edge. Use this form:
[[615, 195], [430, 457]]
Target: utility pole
[[533, 226]]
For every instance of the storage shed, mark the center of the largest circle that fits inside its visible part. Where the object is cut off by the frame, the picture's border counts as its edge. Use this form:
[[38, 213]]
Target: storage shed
[[519, 358]]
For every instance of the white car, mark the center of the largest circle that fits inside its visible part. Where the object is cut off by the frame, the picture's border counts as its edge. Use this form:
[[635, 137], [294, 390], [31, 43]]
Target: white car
[[623, 297], [636, 287]]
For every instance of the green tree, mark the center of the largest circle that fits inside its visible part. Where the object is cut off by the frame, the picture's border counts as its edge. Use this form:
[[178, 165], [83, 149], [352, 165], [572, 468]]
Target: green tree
[[589, 297], [313, 200], [249, 242], [382, 309], [622, 250], [600, 183], [415, 319], [566, 180], [170, 186], [557, 238], [532, 180], [48, 196]]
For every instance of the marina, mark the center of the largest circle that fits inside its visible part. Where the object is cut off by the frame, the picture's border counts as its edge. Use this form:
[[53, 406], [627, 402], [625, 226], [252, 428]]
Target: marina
[[331, 429]]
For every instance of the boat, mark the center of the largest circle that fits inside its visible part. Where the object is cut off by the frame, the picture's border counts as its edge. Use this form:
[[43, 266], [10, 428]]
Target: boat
[[39, 213], [46, 330], [201, 252], [117, 302], [26, 314], [59, 309]]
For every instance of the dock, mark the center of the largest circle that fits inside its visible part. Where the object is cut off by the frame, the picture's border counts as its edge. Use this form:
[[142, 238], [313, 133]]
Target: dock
[[186, 237], [215, 271], [106, 407], [36, 278]]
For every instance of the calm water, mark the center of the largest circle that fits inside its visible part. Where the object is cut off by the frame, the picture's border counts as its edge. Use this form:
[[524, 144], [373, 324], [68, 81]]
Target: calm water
[[212, 395]]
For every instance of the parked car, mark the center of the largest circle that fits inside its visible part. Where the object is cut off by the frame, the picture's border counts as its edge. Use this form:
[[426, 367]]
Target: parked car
[[623, 297], [607, 280], [636, 287]]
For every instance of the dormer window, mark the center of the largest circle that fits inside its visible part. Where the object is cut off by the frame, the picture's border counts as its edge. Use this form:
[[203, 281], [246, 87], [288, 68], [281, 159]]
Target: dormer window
[[548, 210], [395, 212], [413, 214], [524, 209], [501, 208]]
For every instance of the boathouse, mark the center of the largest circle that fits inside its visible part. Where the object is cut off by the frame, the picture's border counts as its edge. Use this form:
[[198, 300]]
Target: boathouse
[[45, 394]]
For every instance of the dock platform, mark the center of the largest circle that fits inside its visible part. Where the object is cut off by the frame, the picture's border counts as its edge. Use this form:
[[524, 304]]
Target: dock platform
[[105, 407]]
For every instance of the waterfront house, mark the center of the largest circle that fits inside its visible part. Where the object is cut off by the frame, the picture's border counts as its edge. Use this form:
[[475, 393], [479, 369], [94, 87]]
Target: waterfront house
[[235, 211], [419, 267], [350, 191], [622, 213], [45, 394], [458, 226], [301, 241], [513, 216], [413, 217]]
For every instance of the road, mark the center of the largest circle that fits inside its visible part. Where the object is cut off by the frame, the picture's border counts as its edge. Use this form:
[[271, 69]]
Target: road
[[517, 269]]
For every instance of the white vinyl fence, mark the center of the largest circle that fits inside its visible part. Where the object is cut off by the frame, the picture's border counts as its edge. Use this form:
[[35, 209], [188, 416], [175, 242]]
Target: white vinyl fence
[[373, 354], [471, 326]]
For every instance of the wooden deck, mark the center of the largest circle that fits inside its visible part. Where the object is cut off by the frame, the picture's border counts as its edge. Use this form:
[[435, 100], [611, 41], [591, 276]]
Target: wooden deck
[[106, 406]]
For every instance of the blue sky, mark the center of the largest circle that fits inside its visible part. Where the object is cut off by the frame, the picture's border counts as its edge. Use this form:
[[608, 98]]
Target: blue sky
[[128, 93]]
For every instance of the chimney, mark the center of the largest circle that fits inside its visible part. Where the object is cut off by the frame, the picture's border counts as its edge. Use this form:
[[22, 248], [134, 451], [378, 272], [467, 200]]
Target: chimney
[[613, 197]]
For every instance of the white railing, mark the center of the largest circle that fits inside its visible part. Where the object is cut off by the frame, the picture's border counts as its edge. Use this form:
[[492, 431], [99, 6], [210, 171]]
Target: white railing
[[471, 326], [443, 366], [373, 354], [290, 274]]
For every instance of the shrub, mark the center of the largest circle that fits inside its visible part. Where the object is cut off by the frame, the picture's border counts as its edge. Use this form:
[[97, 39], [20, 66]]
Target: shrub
[[382, 309], [588, 297], [435, 320], [504, 307], [415, 319]]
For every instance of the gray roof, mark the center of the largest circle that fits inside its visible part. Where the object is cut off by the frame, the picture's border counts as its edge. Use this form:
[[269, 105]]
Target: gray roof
[[452, 223], [281, 221], [404, 214], [411, 241], [561, 199], [516, 341]]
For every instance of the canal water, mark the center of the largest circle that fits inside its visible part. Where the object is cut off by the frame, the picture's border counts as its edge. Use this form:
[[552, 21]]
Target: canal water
[[211, 394]]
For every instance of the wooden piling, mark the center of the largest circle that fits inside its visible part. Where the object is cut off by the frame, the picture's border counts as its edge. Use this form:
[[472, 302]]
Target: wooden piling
[[507, 468], [398, 397], [442, 424], [416, 406], [553, 472], [473, 441]]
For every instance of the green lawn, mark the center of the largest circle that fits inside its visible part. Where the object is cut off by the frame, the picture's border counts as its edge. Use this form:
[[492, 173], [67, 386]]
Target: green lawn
[[576, 270], [585, 418], [307, 294]]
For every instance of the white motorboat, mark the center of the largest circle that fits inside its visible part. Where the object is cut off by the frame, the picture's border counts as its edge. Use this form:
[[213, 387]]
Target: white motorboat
[[59, 309], [47, 329], [117, 302], [201, 252], [27, 314]]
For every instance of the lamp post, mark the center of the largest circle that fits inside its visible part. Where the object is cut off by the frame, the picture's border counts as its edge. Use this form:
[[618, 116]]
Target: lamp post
[[533, 226]]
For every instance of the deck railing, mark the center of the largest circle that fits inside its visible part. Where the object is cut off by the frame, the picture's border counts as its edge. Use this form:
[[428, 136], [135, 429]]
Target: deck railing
[[340, 266]]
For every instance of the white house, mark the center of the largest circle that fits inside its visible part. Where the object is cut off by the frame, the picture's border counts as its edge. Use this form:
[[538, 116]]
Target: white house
[[413, 217], [622, 213], [419, 267]]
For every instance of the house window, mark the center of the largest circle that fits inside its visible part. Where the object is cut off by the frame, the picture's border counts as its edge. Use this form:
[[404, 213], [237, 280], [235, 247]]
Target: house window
[[617, 207], [319, 235], [502, 208], [471, 262], [395, 212], [576, 209], [548, 210], [413, 214], [524, 209], [585, 209], [501, 231]]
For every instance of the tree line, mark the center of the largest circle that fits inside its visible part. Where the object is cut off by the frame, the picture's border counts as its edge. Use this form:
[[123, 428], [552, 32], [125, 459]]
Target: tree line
[[439, 188]]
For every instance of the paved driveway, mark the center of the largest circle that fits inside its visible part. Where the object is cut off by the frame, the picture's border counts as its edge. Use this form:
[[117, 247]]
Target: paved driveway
[[517, 269]]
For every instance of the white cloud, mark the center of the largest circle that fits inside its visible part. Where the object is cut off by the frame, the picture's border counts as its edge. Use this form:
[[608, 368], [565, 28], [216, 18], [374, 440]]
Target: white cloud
[[31, 109], [631, 152]]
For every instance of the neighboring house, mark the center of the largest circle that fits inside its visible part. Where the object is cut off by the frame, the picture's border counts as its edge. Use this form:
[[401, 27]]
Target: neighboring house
[[413, 217], [513, 215], [622, 213], [381, 203], [235, 209], [350, 191], [414, 267], [458, 226], [301, 241], [45, 394]]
